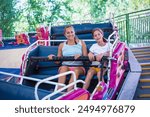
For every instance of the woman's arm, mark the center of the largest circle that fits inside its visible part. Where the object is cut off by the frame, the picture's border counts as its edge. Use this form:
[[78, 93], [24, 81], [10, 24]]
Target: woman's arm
[[59, 53], [84, 48]]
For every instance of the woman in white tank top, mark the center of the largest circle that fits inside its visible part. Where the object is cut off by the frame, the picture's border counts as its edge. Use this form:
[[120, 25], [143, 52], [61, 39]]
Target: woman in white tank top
[[72, 47]]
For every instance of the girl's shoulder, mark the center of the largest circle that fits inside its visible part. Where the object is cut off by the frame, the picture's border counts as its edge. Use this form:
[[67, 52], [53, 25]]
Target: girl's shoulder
[[94, 45], [108, 44]]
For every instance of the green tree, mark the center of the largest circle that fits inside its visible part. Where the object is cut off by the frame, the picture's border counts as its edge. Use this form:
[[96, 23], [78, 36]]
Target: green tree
[[47, 11], [34, 12], [100, 9], [139, 4], [97, 8], [31, 13], [60, 11], [8, 15]]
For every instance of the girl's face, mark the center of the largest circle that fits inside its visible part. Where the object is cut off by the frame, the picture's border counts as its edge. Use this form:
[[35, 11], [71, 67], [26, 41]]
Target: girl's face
[[69, 33], [98, 37]]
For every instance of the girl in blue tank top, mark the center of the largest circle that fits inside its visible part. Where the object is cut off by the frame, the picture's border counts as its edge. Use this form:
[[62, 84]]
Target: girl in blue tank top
[[72, 47]]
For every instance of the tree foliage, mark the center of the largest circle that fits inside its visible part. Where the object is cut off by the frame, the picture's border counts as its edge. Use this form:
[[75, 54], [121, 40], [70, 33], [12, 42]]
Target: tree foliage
[[101, 8], [97, 8], [8, 15], [47, 11], [31, 13]]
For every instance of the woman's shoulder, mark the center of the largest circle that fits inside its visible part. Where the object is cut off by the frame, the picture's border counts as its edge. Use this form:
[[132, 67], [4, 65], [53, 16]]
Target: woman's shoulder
[[81, 41], [61, 44]]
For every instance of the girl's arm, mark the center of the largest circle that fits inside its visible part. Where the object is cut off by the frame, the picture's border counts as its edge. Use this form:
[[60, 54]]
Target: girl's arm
[[91, 56], [106, 53], [99, 57]]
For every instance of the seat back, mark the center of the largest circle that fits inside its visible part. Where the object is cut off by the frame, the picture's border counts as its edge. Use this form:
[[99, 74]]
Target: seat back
[[42, 68], [22, 38], [83, 31], [42, 34]]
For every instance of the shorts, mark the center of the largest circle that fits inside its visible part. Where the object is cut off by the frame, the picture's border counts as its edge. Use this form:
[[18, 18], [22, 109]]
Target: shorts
[[72, 69], [96, 69]]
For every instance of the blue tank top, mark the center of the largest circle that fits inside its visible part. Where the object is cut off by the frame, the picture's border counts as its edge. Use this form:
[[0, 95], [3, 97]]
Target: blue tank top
[[71, 50]]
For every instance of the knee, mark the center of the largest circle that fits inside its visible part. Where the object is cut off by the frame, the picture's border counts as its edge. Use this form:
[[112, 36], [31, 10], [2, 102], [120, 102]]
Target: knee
[[76, 72], [63, 69], [99, 73]]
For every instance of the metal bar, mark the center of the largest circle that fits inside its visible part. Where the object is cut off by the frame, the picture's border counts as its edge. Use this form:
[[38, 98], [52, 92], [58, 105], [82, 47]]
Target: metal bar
[[30, 78], [51, 78], [127, 28]]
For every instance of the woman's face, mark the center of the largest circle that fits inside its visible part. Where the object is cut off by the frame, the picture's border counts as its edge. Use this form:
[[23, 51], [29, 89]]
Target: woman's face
[[98, 36], [70, 33]]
